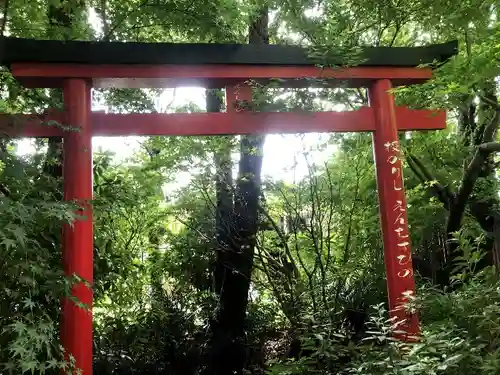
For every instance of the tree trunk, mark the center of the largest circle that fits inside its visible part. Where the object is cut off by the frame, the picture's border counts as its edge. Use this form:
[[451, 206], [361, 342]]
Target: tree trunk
[[224, 194], [236, 243], [479, 198], [495, 253], [61, 15], [477, 193]]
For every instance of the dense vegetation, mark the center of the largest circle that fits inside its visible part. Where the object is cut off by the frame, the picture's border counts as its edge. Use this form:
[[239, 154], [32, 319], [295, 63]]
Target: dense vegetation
[[307, 295]]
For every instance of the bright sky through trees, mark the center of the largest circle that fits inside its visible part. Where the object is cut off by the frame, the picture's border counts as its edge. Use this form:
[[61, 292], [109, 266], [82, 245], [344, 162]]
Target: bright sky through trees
[[283, 154]]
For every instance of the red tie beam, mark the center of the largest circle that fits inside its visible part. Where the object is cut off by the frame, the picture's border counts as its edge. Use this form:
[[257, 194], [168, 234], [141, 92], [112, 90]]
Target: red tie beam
[[78, 66]]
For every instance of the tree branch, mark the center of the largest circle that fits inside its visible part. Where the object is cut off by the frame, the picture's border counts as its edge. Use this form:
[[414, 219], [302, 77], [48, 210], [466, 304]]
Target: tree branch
[[471, 174], [445, 196], [491, 128], [490, 102], [489, 147], [279, 297], [282, 238]]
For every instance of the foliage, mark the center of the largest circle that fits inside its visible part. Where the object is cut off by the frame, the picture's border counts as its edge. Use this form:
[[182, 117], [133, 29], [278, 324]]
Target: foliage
[[161, 339], [317, 292], [32, 282], [460, 335]]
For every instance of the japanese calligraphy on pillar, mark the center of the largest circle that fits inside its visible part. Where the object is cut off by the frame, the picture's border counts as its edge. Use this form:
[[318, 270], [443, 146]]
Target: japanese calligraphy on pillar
[[398, 224], [239, 97]]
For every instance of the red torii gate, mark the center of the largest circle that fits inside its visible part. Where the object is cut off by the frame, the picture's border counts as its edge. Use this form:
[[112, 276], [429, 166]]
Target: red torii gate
[[77, 66]]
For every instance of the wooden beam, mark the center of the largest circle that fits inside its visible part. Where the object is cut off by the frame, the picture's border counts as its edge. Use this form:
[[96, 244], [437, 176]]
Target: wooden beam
[[133, 53], [158, 76], [197, 124]]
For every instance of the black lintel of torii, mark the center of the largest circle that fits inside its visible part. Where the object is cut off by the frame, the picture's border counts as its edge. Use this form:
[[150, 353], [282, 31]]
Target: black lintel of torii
[[14, 50]]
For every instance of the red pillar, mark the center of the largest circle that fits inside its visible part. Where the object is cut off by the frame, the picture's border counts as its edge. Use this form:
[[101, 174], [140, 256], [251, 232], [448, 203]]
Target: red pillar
[[76, 331], [392, 205]]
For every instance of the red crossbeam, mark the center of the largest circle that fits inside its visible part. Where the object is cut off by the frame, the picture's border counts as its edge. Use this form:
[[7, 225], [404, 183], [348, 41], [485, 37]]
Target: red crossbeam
[[157, 76], [190, 124]]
